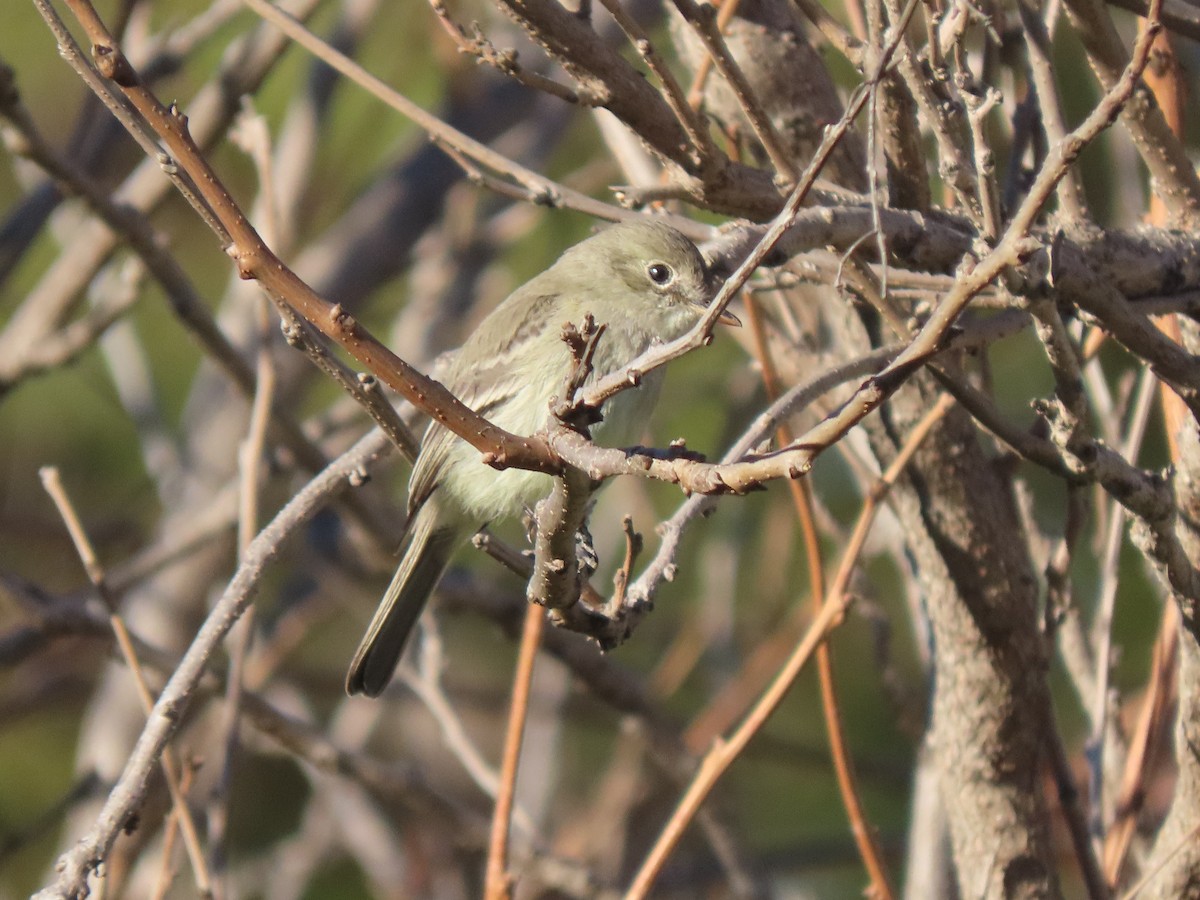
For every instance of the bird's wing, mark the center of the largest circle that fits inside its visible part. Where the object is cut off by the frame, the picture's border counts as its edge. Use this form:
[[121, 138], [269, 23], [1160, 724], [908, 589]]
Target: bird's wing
[[485, 387]]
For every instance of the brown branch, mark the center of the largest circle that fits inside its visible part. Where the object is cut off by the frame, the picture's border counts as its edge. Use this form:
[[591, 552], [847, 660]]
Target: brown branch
[[498, 882], [944, 116], [843, 765], [846, 43], [726, 10], [1178, 16], [1041, 73], [681, 106], [606, 79], [76, 864], [505, 61], [701, 334], [1172, 174], [1164, 76], [167, 760], [125, 221], [705, 20], [1151, 735], [256, 261], [724, 751]]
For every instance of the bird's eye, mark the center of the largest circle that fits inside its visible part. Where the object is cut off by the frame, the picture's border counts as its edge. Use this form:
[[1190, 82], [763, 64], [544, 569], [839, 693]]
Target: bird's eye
[[660, 273]]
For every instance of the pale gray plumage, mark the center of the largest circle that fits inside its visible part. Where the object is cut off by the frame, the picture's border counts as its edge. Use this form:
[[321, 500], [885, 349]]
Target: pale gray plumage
[[645, 281]]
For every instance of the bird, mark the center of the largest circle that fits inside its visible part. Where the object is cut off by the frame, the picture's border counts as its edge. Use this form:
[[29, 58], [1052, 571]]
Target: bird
[[645, 282]]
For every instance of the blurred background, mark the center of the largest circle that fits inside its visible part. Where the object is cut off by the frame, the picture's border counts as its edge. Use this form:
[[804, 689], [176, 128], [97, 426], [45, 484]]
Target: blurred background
[[145, 426]]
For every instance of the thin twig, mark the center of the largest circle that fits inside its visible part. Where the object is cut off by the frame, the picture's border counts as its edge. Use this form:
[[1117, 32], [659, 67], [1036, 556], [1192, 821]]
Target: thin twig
[[1150, 735], [52, 482], [498, 883], [426, 682], [255, 260], [681, 105], [703, 19], [1105, 605], [843, 765], [253, 137], [1146, 879], [444, 135], [504, 61], [724, 751], [1072, 202], [550, 194], [1171, 171], [701, 334], [846, 43], [726, 9], [77, 863], [136, 232]]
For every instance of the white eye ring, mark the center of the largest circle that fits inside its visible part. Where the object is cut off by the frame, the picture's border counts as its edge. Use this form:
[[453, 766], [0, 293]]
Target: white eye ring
[[660, 273]]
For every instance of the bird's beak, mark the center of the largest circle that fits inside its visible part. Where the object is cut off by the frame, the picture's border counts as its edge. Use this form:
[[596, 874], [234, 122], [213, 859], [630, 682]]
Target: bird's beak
[[725, 318]]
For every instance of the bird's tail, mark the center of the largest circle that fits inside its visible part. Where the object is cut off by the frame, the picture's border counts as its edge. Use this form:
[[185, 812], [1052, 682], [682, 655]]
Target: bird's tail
[[424, 554]]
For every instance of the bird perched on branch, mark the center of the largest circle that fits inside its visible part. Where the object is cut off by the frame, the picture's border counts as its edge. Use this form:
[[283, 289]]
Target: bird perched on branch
[[644, 282]]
